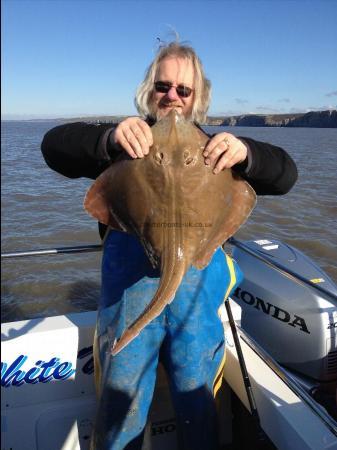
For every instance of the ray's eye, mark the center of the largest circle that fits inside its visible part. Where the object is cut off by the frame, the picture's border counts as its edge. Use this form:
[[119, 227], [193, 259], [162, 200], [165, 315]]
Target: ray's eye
[[188, 159], [159, 156]]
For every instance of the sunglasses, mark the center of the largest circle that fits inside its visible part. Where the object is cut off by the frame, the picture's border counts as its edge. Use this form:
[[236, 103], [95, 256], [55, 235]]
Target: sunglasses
[[164, 86]]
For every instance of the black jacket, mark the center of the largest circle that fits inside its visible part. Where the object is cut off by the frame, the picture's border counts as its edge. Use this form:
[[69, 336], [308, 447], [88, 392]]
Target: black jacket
[[84, 150]]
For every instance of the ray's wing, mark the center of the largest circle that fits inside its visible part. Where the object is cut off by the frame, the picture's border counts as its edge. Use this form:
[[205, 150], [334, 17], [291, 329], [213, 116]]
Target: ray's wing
[[98, 199], [234, 214]]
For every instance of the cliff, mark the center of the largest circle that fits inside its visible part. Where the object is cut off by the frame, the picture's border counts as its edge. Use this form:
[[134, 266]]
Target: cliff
[[314, 119]]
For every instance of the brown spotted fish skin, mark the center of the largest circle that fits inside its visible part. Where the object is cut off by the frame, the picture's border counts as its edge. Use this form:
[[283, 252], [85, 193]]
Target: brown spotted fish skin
[[174, 204]]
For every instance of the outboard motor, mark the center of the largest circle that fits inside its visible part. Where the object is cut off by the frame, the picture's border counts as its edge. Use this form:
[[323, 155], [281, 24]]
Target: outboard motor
[[289, 306]]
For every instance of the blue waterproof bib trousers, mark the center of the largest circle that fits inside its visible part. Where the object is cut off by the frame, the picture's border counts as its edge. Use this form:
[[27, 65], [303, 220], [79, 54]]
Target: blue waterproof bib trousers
[[188, 334]]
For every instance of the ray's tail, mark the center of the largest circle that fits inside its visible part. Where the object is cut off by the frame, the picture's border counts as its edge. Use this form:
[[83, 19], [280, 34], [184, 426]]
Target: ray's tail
[[173, 271]]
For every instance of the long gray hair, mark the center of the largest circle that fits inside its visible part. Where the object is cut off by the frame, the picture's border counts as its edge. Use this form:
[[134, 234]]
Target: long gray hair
[[202, 87]]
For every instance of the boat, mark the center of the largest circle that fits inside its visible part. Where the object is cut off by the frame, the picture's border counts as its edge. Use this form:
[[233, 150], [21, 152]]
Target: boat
[[279, 381]]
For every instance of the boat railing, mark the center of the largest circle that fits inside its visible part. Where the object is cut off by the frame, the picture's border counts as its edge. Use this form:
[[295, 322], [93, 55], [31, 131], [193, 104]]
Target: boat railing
[[290, 381]]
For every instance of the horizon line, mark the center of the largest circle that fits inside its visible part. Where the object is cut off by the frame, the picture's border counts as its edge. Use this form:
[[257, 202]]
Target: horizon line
[[11, 116]]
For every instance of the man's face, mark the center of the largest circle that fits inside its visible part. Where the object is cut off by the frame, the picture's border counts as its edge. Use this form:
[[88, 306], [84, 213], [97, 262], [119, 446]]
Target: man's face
[[177, 71]]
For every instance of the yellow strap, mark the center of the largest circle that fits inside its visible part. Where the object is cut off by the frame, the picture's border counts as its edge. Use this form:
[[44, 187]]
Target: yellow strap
[[232, 275], [97, 365], [218, 377]]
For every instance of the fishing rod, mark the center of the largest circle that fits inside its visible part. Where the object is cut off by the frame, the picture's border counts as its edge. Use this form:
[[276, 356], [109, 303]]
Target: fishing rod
[[261, 435], [54, 251]]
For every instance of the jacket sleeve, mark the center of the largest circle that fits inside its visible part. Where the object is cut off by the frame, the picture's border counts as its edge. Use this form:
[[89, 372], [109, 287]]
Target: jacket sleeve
[[271, 170], [78, 149], [84, 150]]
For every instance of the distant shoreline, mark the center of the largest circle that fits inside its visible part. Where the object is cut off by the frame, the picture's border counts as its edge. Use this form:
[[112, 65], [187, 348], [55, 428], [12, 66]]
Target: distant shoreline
[[312, 119]]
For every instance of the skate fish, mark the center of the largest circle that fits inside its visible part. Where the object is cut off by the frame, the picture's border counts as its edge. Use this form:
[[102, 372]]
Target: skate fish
[[179, 210]]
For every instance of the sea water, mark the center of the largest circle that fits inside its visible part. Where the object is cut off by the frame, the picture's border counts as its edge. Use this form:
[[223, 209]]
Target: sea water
[[43, 209]]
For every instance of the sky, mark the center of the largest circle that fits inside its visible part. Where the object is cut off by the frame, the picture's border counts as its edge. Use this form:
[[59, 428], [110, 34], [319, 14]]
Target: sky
[[80, 58]]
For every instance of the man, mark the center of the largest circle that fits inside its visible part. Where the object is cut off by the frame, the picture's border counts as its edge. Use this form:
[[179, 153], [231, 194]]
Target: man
[[188, 334]]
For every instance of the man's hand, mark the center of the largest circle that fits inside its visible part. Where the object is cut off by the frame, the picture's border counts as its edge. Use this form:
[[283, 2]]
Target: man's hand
[[223, 151], [134, 135]]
